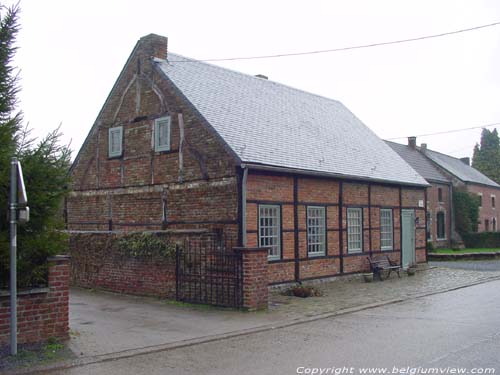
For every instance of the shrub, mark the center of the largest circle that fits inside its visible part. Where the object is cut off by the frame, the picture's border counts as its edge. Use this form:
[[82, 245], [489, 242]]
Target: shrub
[[146, 244], [482, 240], [466, 209]]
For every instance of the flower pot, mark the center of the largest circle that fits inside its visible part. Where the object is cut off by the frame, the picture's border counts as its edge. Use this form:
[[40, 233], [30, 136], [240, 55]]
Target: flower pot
[[368, 277], [411, 271]]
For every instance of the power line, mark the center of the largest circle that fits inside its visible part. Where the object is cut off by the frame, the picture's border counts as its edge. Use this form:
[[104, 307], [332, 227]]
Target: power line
[[345, 48], [448, 131]]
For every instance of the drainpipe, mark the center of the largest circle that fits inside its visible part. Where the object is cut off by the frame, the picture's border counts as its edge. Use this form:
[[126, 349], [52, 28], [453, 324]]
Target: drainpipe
[[244, 206]]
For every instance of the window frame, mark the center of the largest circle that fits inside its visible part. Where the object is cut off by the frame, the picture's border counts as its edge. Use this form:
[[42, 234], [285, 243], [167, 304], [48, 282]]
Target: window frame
[[391, 217], [480, 195], [322, 245], [111, 152], [278, 246], [493, 201], [356, 250], [440, 195], [157, 123], [438, 214]]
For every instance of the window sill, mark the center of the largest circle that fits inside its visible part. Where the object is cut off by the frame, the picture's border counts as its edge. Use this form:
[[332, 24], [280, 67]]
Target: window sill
[[315, 255]]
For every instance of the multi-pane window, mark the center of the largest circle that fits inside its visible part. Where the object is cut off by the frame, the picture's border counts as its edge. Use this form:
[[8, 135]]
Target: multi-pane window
[[315, 231], [440, 195], [441, 233], [493, 201], [428, 226], [386, 236], [115, 141], [162, 134], [354, 230], [494, 225], [270, 230], [480, 199]]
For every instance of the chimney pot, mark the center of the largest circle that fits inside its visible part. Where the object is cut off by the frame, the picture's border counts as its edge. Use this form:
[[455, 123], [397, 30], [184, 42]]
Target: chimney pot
[[466, 160], [412, 142], [423, 147]]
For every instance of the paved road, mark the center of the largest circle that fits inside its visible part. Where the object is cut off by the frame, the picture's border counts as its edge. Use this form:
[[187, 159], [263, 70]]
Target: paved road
[[459, 329], [475, 265]]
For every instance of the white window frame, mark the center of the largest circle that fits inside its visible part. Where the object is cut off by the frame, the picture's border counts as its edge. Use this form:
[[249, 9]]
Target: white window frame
[[160, 122], [437, 225], [480, 200], [387, 229], [270, 230], [493, 200], [358, 227], [112, 153], [316, 231]]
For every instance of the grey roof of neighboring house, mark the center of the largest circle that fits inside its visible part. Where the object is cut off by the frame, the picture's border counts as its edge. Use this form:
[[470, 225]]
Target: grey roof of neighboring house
[[267, 123], [459, 169], [419, 162]]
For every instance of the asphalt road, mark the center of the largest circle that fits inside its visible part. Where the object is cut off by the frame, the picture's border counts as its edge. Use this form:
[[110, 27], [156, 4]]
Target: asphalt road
[[476, 265], [458, 329]]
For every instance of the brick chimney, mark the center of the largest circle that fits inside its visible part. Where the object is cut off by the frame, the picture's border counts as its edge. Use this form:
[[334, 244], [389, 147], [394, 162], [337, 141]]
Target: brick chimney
[[423, 147], [155, 45], [412, 142], [466, 161]]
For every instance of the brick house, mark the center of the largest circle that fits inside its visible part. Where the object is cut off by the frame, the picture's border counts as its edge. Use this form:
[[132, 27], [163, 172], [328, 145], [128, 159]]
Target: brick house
[[439, 193], [181, 144], [463, 176]]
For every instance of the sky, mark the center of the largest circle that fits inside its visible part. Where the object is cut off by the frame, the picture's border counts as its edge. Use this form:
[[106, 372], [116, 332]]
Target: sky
[[71, 52]]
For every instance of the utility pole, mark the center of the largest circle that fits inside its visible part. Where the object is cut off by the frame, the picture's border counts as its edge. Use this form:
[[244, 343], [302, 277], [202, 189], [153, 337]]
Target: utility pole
[[13, 255]]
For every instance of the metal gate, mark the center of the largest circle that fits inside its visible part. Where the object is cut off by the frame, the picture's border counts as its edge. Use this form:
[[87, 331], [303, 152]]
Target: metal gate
[[208, 271]]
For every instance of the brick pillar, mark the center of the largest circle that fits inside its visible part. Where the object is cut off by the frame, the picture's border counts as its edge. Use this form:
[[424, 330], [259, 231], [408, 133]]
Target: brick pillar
[[59, 275], [255, 280]]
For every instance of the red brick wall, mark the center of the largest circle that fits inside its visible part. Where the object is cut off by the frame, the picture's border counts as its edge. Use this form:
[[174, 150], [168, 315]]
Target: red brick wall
[[487, 211], [279, 189], [131, 190], [255, 278], [97, 264], [40, 315], [435, 206]]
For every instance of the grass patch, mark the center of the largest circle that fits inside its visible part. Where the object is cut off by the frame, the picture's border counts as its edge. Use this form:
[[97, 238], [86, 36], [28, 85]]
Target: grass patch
[[463, 251], [34, 355]]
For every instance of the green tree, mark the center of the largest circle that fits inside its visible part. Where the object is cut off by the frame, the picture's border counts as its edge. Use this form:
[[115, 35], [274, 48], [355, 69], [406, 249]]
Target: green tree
[[45, 167], [10, 119], [466, 211], [486, 157]]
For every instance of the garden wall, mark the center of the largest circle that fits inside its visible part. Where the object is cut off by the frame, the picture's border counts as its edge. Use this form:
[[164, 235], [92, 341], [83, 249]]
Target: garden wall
[[42, 313], [98, 262]]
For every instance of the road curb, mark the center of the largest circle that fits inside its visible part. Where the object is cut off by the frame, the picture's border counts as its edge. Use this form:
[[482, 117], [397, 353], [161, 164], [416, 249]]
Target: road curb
[[80, 362], [464, 256]]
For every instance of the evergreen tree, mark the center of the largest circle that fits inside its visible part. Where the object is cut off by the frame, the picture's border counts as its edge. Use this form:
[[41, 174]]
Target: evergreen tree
[[486, 157], [10, 119], [45, 167]]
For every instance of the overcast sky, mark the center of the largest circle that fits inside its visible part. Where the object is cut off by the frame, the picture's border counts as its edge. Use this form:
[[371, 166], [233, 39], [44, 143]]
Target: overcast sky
[[71, 52]]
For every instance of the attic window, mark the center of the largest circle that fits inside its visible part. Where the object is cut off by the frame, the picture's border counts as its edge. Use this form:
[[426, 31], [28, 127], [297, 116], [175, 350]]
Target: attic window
[[115, 140], [162, 134]]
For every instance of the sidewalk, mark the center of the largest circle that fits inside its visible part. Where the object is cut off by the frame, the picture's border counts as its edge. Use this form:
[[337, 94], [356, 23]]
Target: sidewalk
[[106, 326]]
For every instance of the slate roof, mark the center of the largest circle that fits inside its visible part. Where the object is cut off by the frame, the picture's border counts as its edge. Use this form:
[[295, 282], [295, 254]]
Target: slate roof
[[419, 162], [459, 169], [271, 124]]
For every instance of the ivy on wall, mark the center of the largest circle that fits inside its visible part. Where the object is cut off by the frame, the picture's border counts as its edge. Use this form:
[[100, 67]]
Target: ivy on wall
[[466, 209]]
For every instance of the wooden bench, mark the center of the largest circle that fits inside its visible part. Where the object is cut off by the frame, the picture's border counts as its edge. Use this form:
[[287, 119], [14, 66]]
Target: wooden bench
[[383, 263]]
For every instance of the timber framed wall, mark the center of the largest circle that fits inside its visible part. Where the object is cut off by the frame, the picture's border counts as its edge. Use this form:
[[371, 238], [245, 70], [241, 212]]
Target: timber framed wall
[[293, 194]]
